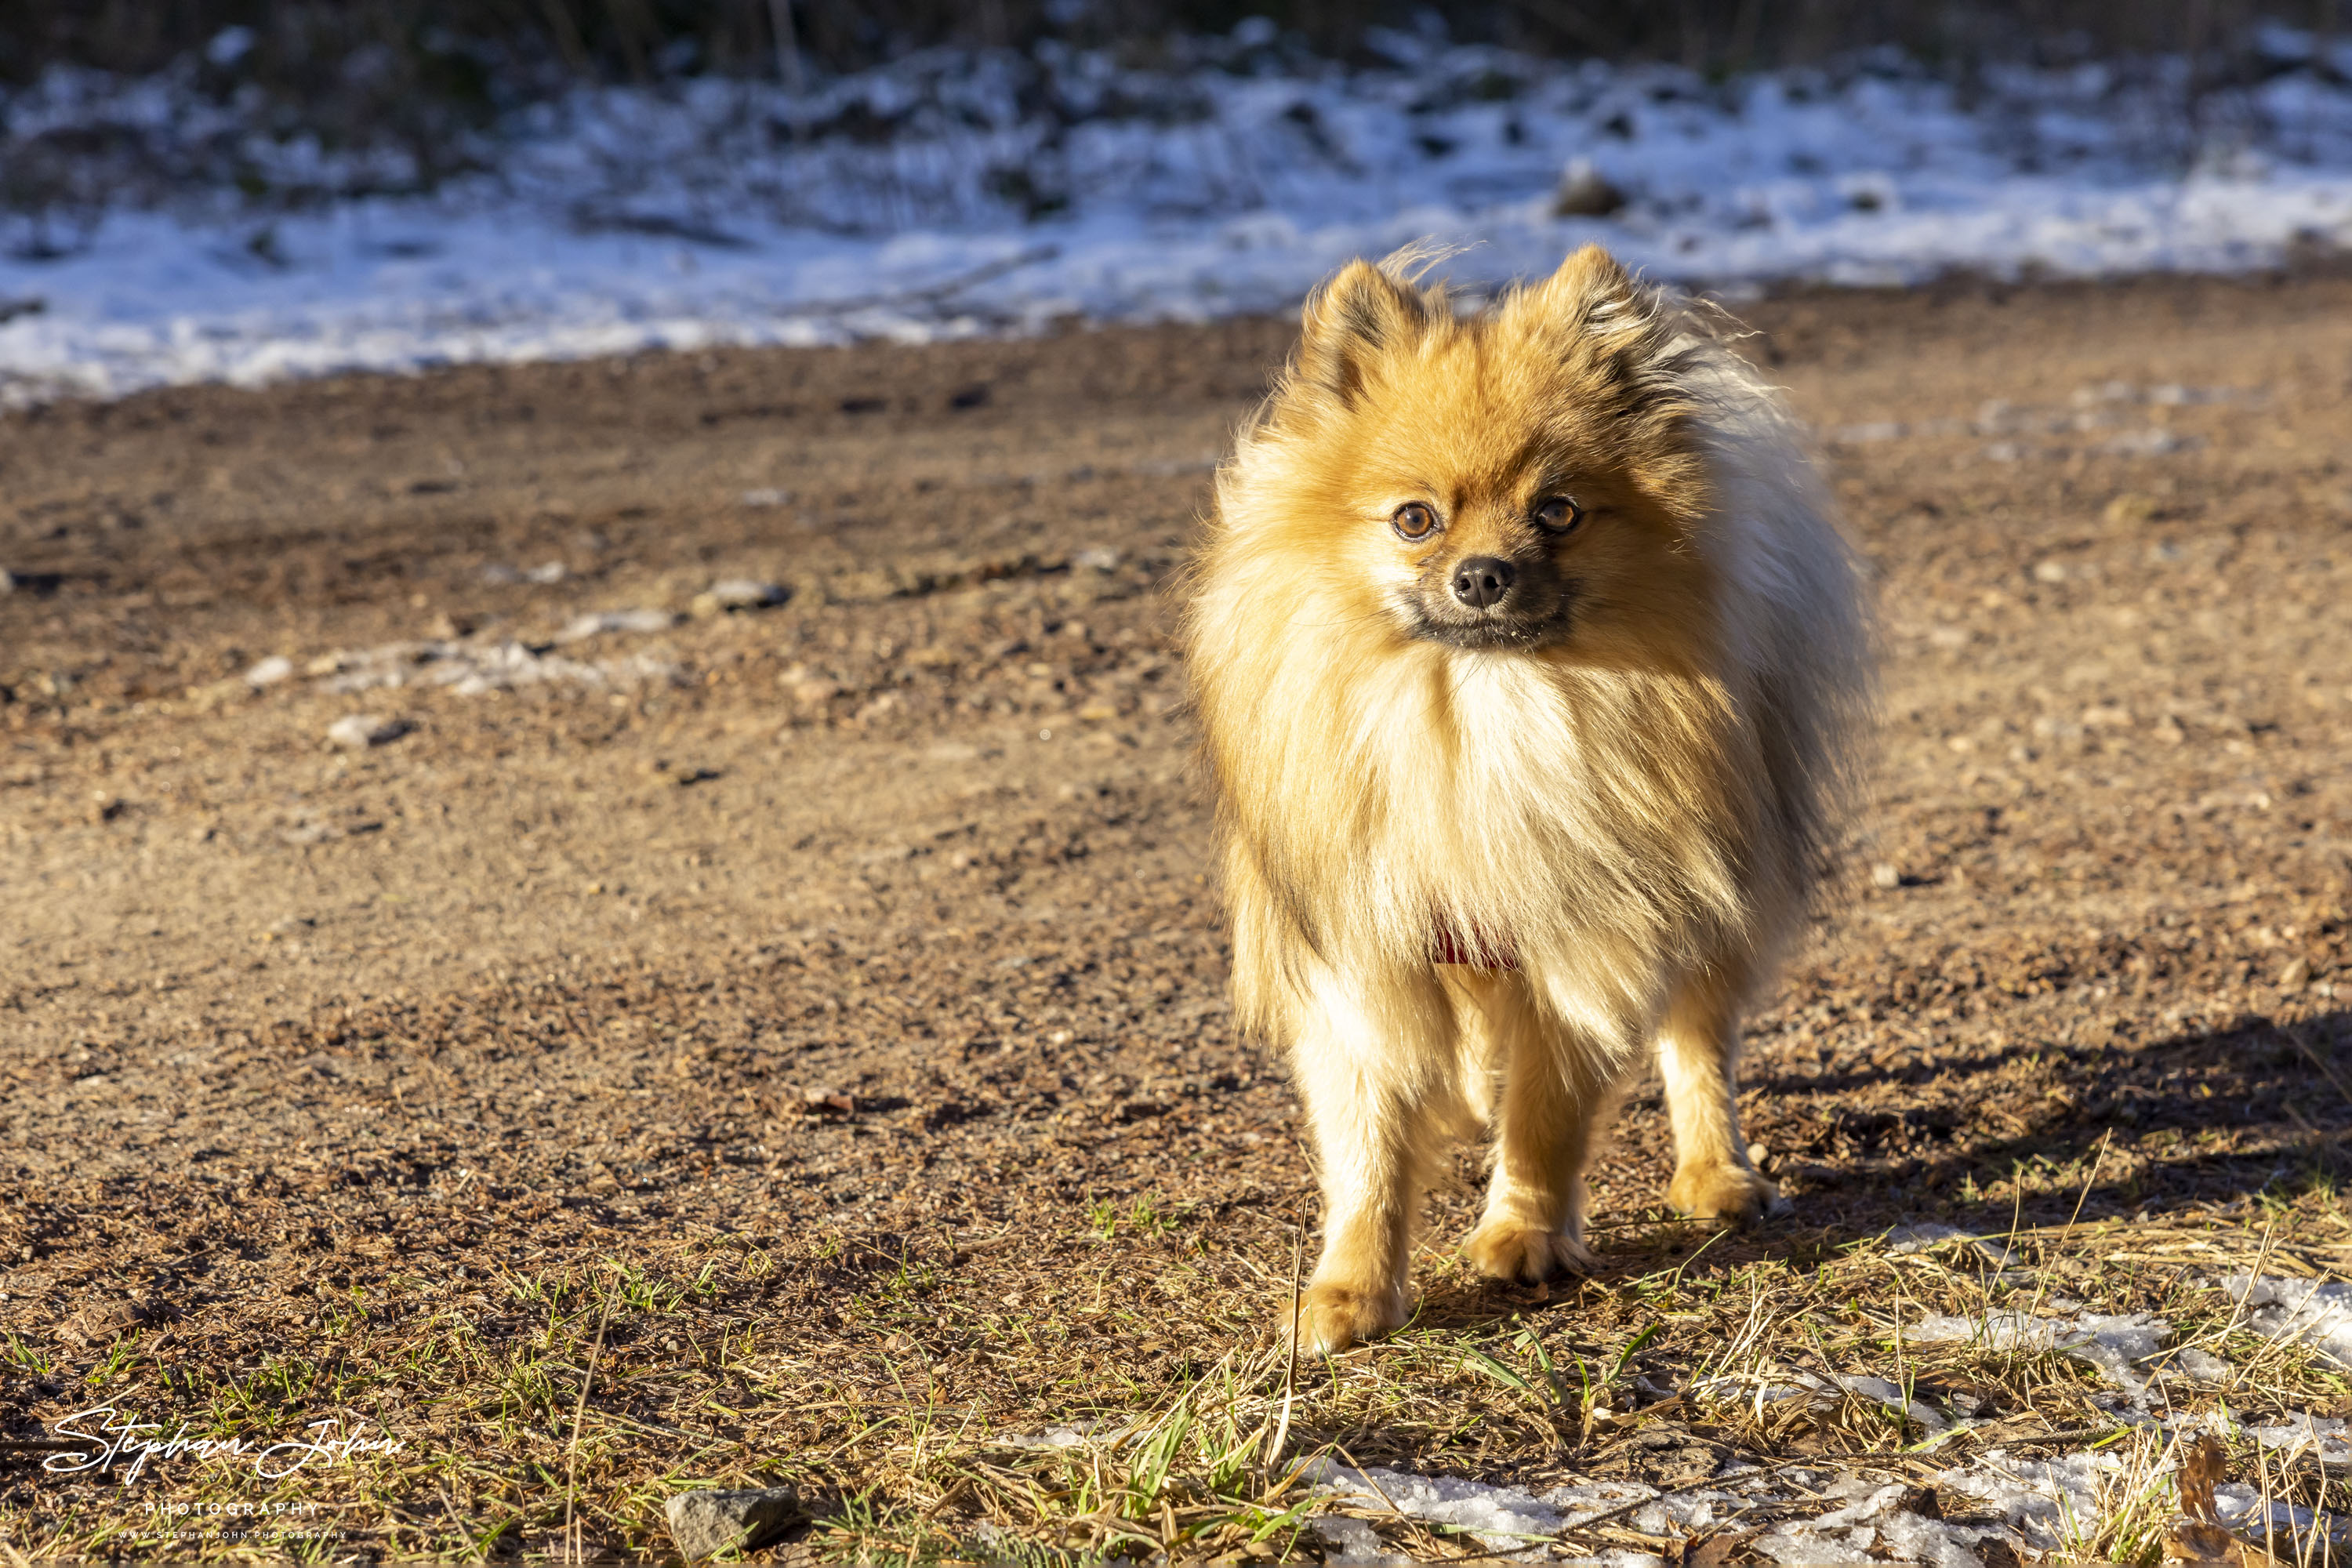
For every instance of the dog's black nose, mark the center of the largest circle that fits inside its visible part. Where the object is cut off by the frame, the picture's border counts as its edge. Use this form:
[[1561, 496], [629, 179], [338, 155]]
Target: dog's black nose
[[1483, 580]]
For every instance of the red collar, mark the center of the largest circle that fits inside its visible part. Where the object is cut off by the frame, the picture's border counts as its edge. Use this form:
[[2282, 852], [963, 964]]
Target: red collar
[[1480, 951]]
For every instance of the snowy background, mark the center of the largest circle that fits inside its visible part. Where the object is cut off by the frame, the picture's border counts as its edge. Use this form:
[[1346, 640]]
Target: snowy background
[[958, 193]]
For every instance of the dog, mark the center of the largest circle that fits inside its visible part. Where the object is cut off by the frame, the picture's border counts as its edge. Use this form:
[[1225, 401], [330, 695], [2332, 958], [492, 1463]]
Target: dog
[[1528, 662]]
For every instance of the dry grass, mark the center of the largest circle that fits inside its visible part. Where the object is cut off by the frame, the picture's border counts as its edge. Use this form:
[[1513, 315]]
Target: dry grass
[[922, 1411]]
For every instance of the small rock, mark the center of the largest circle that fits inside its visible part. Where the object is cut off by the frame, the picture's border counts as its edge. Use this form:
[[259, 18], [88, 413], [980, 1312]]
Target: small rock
[[708, 1522], [360, 731], [8, 582], [2130, 507], [1101, 557], [269, 671], [547, 571], [809, 690], [498, 573], [767, 498], [738, 594], [2296, 972], [1585, 192], [1885, 875], [100, 1321], [2050, 572], [603, 621]]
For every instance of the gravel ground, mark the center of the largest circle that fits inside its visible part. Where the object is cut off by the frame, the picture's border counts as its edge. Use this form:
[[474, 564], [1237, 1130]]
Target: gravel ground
[[877, 923]]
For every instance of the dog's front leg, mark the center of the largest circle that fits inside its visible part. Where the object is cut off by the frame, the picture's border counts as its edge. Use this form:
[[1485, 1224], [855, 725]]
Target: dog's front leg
[[1555, 1086], [1366, 1094], [1698, 1058]]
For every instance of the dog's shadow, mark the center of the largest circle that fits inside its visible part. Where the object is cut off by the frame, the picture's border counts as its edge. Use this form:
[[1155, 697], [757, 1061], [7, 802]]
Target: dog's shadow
[[2209, 1119]]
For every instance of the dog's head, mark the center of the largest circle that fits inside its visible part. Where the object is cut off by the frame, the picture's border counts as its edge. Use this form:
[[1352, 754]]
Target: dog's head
[[1521, 480]]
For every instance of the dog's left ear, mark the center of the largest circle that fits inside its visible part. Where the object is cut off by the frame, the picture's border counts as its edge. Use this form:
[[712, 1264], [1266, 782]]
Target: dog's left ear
[[1607, 326], [1359, 315]]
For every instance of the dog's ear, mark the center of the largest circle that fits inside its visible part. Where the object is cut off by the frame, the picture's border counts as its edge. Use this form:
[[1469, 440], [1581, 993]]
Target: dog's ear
[[1607, 328], [1359, 315], [1594, 301], [1590, 279]]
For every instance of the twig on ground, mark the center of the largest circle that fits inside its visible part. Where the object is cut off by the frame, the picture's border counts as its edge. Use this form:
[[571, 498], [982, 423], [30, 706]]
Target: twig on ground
[[931, 294], [572, 1450], [1290, 1365]]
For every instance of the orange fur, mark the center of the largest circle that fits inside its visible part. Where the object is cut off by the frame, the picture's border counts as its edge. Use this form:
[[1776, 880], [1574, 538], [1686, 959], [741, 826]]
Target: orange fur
[[1620, 772]]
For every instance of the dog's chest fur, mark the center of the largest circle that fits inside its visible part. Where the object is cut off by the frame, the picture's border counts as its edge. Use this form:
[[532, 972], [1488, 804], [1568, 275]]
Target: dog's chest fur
[[1549, 809]]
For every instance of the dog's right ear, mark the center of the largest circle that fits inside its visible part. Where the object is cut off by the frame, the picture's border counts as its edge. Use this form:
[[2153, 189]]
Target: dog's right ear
[[1359, 315]]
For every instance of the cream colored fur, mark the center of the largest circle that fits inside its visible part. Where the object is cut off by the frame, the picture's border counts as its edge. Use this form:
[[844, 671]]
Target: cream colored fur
[[1632, 808]]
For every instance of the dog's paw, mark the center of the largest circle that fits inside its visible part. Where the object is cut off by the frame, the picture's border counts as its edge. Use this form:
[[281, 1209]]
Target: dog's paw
[[1513, 1249], [1334, 1318], [1726, 1191]]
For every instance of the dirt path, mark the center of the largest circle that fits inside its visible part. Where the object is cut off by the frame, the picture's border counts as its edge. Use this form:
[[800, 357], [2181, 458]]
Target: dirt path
[[873, 926]]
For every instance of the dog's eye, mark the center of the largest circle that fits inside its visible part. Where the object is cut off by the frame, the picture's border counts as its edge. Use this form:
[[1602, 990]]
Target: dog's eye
[[1558, 514], [1413, 520]]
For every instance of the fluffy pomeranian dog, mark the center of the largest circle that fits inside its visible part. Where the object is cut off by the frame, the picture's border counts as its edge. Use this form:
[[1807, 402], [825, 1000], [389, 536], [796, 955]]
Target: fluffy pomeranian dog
[[1526, 656]]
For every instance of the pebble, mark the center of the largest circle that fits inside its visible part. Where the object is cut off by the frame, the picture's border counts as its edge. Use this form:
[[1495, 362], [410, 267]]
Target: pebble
[[603, 621], [547, 571], [705, 1523], [360, 731], [269, 671], [767, 498], [738, 594], [1585, 192]]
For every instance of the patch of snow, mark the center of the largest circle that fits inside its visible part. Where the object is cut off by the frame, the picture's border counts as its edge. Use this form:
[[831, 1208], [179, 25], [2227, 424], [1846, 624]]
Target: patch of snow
[[2023, 1503], [1352, 1540], [2323, 1437], [1823, 1393], [1502, 1518], [2034, 1497], [2114, 1344], [1866, 1518], [1092, 1434], [713, 212], [2312, 1311], [2201, 1364]]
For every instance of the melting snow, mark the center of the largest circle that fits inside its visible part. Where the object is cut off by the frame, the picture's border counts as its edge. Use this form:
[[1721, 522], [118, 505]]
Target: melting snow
[[1501, 1518], [716, 212], [2314, 1312], [2323, 1437], [2024, 1502], [2115, 1345], [1908, 1238]]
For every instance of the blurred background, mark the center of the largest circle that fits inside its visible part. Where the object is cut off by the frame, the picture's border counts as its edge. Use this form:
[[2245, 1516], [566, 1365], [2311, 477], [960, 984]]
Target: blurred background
[[481, 50], [195, 189]]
